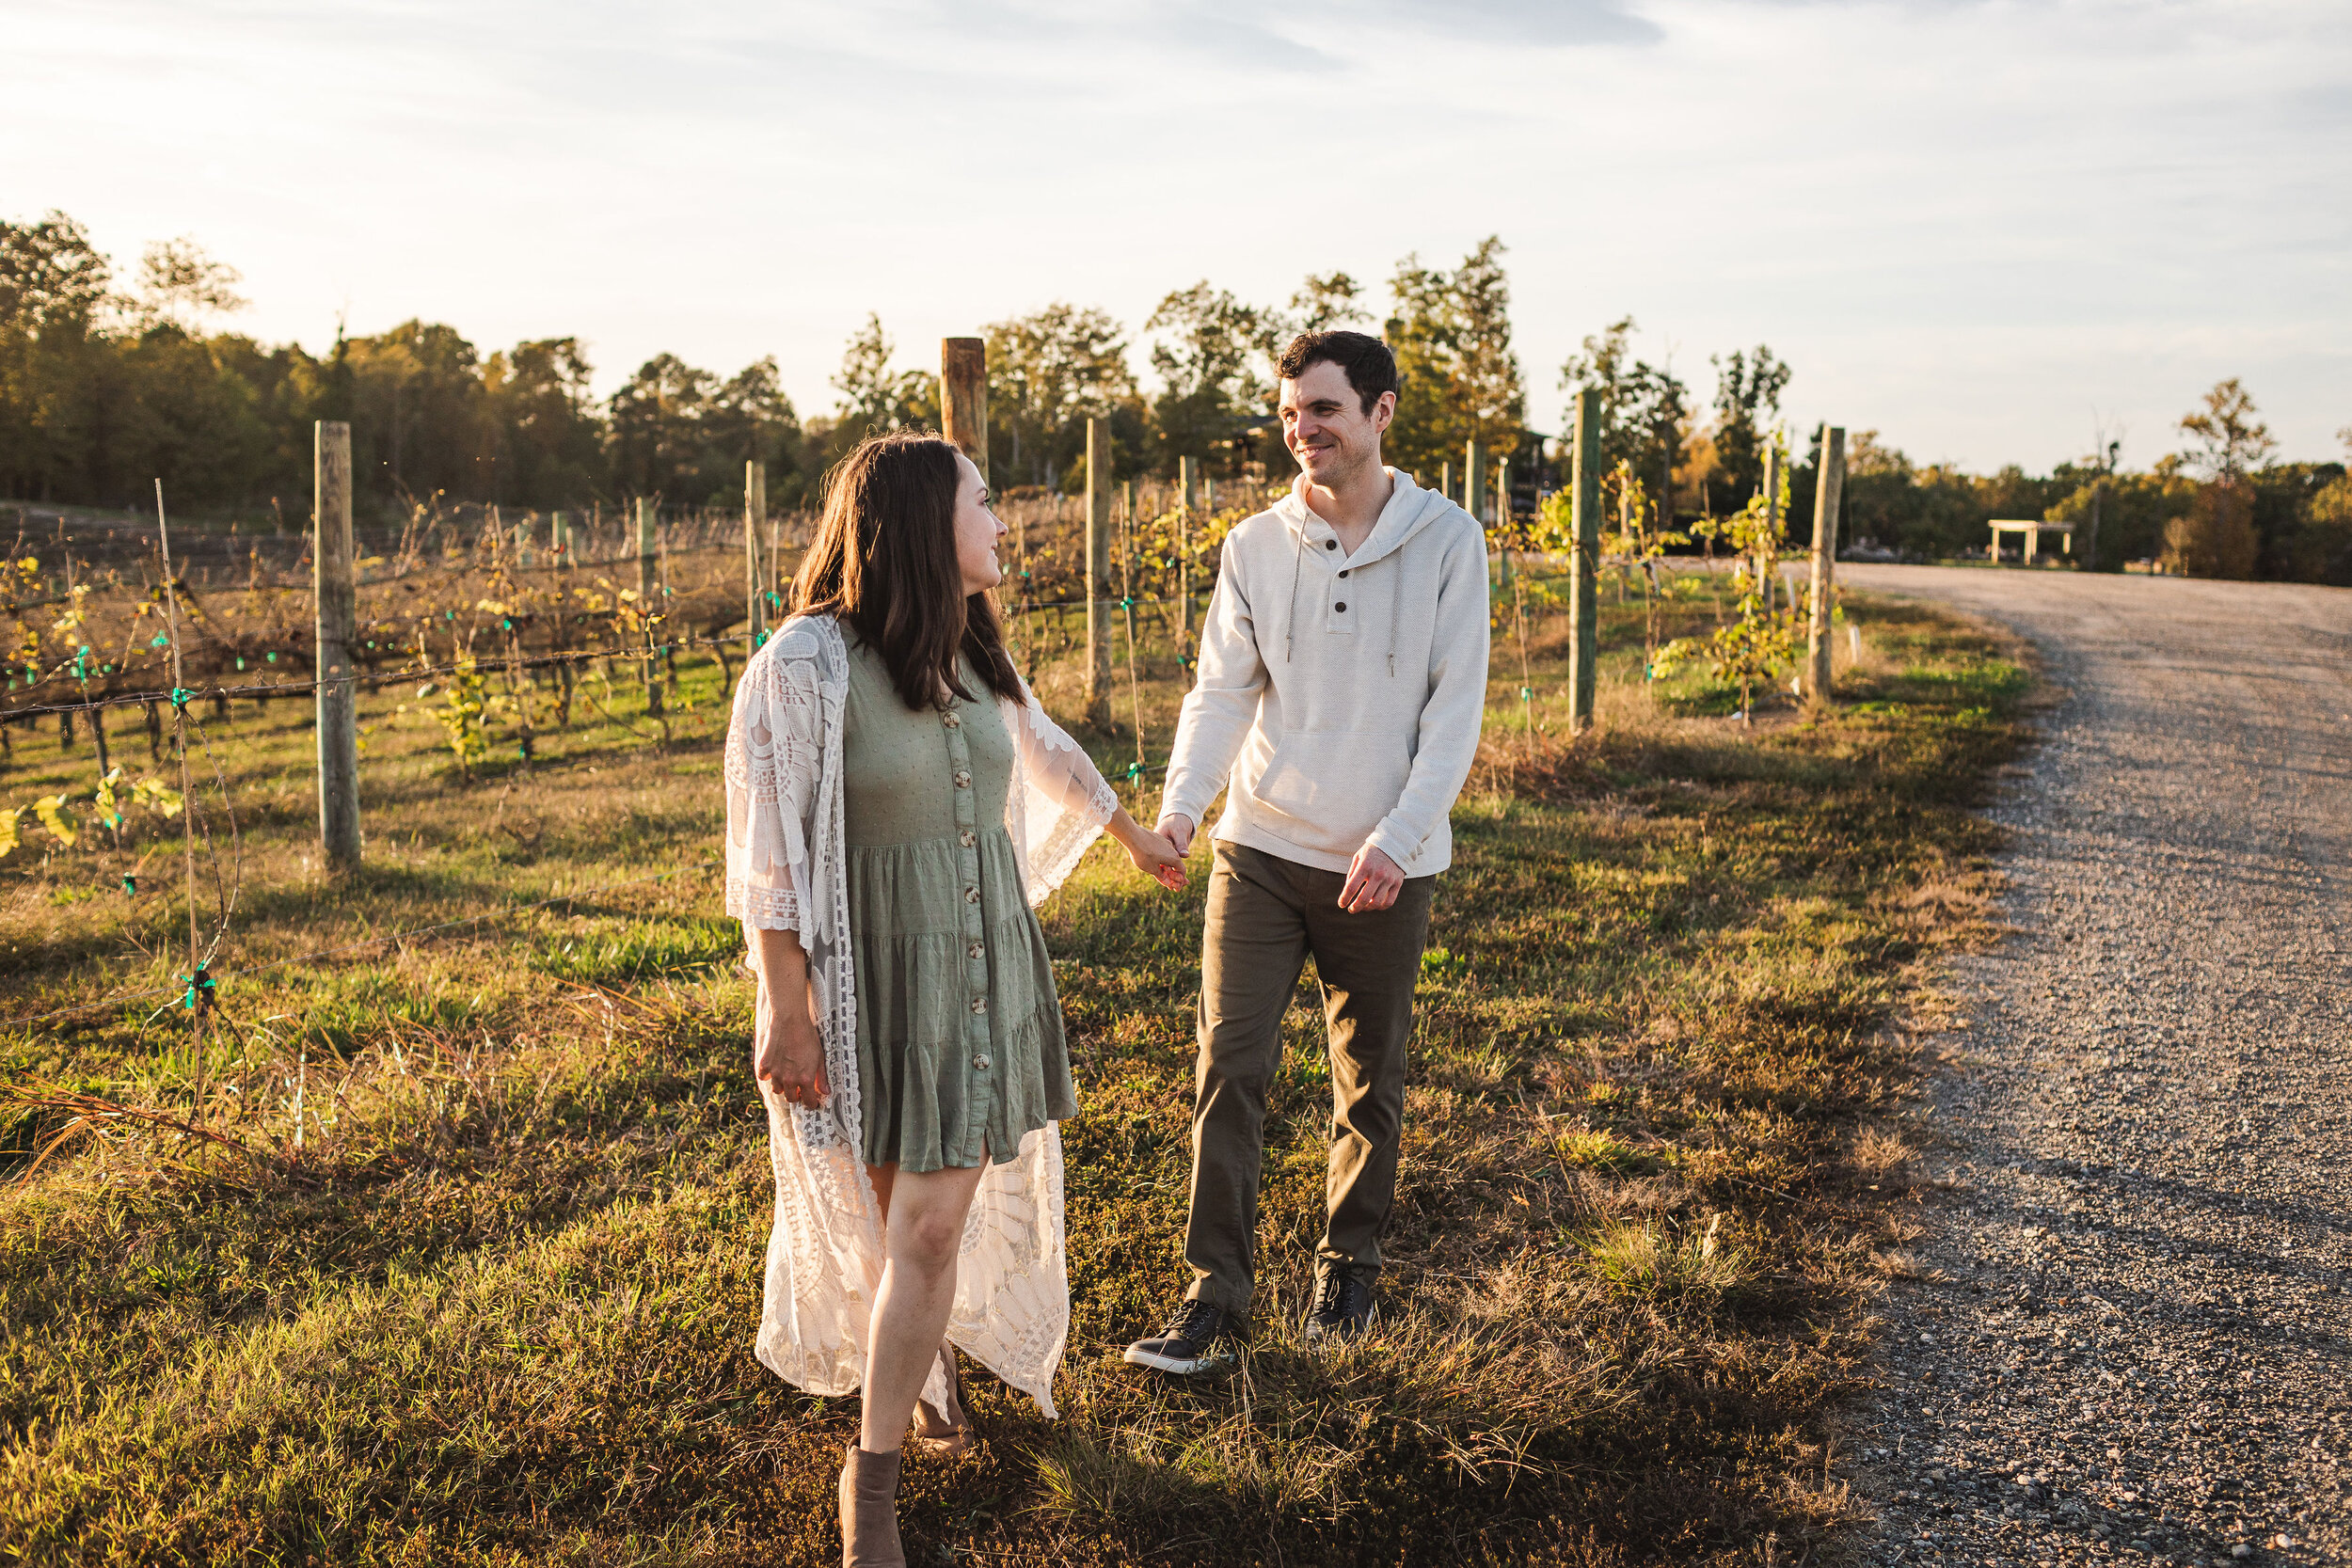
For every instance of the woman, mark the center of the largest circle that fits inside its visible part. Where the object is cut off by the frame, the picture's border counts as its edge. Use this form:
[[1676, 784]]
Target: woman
[[896, 801]]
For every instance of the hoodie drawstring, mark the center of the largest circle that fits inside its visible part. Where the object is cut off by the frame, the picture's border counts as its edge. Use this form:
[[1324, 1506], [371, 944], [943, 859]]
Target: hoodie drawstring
[[1290, 622], [1396, 606]]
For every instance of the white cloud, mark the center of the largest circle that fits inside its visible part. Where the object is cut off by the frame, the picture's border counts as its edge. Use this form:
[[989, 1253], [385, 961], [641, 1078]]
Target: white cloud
[[1967, 225]]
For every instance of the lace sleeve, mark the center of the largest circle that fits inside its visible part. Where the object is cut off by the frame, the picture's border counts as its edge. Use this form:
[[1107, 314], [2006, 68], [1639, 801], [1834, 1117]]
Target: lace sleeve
[[1063, 801], [772, 760]]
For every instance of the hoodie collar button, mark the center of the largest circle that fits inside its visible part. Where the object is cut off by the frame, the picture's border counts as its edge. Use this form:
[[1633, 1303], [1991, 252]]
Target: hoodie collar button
[[1330, 544], [1342, 571]]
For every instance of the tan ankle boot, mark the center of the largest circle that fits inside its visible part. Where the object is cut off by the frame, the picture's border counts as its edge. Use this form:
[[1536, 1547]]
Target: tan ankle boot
[[869, 1510], [945, 1432]]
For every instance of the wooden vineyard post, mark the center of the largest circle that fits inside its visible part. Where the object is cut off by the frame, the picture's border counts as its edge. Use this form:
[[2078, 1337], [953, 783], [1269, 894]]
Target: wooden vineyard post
[[1584, 564], [1098, 569], [1825, 498], [1501, 507], [1188, 478], [648, 593], [2091, 539], [963, 397], [1771, 524], [337, 628], [559, 640], [755, 581]]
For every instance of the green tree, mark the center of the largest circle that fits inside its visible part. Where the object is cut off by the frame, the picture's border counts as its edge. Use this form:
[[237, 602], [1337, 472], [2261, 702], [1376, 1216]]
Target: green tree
[[1451, 332], [1325, 304], [2230, 440], [1046, 373], [1747, 406], [1213, 359], [1645, 409], [874, 397], [546, 439]]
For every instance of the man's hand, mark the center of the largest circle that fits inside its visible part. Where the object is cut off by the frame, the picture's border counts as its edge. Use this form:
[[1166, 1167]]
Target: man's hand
[[1372, 882], [1177, 829]]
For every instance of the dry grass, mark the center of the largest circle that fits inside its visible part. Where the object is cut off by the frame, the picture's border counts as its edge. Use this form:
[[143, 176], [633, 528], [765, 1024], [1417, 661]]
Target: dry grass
[[479, 1287]]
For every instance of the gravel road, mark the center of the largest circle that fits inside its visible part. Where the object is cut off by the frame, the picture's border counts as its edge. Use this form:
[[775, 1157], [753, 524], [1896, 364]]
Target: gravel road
[[2129, 1335]]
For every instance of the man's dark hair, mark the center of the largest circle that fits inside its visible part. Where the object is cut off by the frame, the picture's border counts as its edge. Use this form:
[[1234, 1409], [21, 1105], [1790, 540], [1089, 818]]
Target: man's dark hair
[[1365, 360]]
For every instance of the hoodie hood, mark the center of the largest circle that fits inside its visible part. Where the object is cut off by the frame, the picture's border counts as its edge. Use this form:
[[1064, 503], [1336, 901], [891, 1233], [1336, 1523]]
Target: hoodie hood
[[1410, 509]]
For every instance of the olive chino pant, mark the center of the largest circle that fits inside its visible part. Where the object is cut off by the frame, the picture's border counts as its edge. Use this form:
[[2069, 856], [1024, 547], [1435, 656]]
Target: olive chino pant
[[1265, 916]]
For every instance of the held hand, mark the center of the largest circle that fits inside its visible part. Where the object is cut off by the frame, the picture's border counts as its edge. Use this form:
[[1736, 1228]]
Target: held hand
[[1177, 829], [1372, 882], [1157, 859], [789, 1056]]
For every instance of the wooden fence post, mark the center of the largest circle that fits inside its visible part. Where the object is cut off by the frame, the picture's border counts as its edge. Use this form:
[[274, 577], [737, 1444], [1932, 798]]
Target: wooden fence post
[[1825, 498], [648, 596], [1098, 569], [754, 583], [337, 617], [1188, 473], [1584, 564], [963, 397], [1500, 508], [2091, 539]]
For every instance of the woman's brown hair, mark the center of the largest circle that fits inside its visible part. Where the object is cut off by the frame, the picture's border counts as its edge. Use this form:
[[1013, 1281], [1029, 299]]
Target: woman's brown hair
[[884, 561]]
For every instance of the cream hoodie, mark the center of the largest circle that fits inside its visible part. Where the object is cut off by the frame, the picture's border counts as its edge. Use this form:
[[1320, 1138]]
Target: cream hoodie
[[1339, 696]]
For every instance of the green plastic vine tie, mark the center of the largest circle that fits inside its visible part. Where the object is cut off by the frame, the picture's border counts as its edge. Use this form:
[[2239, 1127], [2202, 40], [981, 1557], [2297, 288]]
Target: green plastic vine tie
[[180, 695], [1134, 771], [198, 998], [129, 887]]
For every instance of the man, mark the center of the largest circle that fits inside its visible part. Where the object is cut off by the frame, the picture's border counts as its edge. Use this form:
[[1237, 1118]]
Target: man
[[1343, 677]]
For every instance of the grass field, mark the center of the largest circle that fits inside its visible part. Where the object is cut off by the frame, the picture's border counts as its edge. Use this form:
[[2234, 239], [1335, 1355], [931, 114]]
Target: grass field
[[471, 1271]]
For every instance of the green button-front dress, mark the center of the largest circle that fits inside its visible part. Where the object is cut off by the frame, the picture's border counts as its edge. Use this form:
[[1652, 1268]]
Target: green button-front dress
[[959, 1045]]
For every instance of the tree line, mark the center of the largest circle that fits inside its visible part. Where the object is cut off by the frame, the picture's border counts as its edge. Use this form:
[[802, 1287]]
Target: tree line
[[106, 383]]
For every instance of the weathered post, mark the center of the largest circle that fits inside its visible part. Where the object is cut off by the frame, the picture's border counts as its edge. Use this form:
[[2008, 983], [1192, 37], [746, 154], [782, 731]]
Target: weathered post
[[648, 597], [1584, 565], [1187, 476], [1825, 498], [1500, 508], [560, 638], [337, 629], [1098, 569], [1474, 484], [1757, 574], [963, 397], [755, 584], [2091, 539]]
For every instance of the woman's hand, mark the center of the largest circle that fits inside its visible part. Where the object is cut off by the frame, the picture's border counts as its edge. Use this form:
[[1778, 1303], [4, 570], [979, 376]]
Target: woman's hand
[[1155, 856], [790, 1055], [788, 1047]]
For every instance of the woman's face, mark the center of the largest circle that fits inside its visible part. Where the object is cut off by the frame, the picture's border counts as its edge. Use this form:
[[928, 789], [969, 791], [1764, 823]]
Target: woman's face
[[976, 531]]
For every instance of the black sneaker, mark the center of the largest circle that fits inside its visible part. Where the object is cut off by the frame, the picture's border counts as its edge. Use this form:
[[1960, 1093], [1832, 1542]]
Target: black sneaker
[[1199, 1338], [1343, 1305]]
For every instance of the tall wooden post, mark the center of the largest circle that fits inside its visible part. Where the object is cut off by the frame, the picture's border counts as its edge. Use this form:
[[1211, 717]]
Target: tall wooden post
[[1771, 521], [2091, 539], [755, 580], [1474, 484], [1187, 474], [648, 594], [1826, 497], [1501, 509], [1097, 570], [963, 397], [1584, 565], [337, 629]]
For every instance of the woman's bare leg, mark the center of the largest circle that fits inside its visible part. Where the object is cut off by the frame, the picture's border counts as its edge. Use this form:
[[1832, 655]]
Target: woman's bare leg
[[922, 1231]]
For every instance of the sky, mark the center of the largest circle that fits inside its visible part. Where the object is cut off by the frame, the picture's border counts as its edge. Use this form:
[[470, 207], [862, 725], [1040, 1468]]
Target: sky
[[1990, 232]]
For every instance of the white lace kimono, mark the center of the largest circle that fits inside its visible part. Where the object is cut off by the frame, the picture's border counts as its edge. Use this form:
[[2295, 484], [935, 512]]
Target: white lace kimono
[[786, 872]]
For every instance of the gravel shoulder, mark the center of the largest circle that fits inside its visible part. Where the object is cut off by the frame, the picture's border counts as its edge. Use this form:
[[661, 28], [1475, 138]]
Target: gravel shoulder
[[2127, 1333]]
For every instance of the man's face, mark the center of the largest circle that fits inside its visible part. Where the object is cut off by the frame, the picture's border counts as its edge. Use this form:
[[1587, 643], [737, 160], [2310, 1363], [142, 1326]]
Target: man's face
[[1325, 427]]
